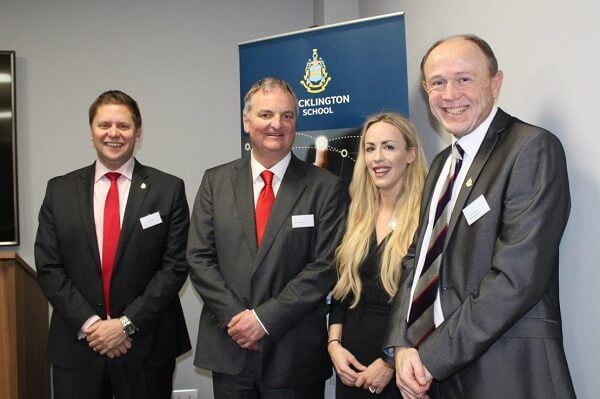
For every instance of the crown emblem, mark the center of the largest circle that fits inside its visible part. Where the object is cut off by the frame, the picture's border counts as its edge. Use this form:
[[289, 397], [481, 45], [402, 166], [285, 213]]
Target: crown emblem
[[315, 78]]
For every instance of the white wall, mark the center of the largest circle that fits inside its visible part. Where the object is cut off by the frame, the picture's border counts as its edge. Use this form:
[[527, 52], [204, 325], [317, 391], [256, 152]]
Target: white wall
[[178, 59], [548, 52]]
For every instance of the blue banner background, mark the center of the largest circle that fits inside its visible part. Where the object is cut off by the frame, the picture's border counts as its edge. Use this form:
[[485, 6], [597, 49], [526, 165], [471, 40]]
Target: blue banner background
[[366, 60]]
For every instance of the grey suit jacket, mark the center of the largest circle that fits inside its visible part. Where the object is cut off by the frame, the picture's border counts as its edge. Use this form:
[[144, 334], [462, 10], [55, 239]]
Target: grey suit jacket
[[502, 334], [149, 270], [286, 280]]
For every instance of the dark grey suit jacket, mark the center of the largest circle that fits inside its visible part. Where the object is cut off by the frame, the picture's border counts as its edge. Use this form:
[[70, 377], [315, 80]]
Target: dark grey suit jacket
[[149, 270], [286, 281], [502, 334]]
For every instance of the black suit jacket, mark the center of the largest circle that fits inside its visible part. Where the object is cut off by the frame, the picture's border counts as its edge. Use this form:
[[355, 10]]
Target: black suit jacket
[[502, 335], [286, 280], [149, 270]]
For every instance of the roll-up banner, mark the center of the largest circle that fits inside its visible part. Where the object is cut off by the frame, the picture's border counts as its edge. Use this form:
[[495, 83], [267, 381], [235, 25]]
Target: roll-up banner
[[341, 73]]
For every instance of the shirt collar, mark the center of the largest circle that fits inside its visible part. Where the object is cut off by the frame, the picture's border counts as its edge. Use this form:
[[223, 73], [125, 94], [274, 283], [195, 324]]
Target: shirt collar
[[471, 142], [278, 169], [125, 170]]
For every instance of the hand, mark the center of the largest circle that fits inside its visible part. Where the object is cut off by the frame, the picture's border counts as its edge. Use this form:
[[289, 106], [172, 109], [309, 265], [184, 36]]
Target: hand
[[106, 335], [412, 377], [121, 349], [245, 330], [376, 377], [346, 365]]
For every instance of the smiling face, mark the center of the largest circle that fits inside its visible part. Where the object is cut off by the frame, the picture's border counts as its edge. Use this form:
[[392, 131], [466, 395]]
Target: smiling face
[[460, 88], [114, 135], [386, 156], [270, 121]]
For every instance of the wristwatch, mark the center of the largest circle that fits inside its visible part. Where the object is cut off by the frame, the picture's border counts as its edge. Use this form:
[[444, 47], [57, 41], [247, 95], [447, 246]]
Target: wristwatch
[[128, 327]]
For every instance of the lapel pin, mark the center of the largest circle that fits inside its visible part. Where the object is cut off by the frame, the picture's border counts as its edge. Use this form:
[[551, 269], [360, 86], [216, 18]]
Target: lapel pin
[[469, 182], [143, 186]]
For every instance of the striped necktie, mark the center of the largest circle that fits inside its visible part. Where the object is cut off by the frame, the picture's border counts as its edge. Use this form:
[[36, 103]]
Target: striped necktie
[[420, 320]]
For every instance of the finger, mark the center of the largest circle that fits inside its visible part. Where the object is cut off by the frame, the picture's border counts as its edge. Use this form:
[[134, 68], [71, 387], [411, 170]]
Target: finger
[[357, 365], [360, 382]]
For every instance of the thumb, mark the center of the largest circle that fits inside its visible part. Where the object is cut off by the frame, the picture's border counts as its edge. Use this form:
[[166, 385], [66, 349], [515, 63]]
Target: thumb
[[419, 372]]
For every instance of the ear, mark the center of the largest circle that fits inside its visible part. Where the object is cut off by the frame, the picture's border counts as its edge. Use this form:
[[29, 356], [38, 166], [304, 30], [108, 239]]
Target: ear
[[246, 123], [497, 83], [412, 154], [138, 134]]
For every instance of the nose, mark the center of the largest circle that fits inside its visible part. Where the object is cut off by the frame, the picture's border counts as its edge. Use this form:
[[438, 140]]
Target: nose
[[378, 154], [451, 90], [276, 122], [113, 131]]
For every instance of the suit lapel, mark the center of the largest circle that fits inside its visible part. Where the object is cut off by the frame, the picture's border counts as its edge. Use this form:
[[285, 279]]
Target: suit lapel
[[481, 158], [244, 199], [85, 199], [140, 186], [292, 186]]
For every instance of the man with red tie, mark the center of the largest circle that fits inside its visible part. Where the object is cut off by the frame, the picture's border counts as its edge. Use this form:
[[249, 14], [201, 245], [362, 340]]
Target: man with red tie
[[260, 249], [110, 257]]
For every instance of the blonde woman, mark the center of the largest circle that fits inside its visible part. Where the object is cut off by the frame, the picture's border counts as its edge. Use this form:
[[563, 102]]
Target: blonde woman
[[383, 216]]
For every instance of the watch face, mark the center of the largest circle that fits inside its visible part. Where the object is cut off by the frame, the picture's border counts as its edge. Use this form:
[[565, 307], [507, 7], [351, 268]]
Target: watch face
[[128, 326]]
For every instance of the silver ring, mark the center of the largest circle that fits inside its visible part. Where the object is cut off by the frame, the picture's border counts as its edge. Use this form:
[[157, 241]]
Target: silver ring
[[372, 390]]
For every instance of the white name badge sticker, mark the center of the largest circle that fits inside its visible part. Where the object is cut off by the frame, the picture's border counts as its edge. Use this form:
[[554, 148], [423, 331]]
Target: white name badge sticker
[[476, 209], [150, 220], [299, 221]]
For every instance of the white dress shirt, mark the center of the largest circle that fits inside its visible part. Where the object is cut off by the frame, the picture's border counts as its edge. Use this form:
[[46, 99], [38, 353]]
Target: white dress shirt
[[101, 187], [470, 143], [258, 183]]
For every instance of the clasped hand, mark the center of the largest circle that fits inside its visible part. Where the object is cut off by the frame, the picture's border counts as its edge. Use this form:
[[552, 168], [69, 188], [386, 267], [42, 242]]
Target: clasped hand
[[412, 377], [108, 338], [351, 372], [245, 330]]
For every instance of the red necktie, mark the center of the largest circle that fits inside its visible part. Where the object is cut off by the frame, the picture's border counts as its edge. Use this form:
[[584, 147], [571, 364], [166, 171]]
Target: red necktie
[[264, 205], [110, 238], [420, 320]]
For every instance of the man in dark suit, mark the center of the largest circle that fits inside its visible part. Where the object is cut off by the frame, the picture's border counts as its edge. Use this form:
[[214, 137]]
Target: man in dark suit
[[262, 328], [112, 270], [486, 323]]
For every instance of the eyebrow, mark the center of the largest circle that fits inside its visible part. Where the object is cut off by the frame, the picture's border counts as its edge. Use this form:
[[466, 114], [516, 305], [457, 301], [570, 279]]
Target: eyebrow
[[383, 142]]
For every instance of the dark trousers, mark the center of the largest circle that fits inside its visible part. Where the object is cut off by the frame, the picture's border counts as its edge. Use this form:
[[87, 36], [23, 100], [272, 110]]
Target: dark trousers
[[105, 378], [248, 385]]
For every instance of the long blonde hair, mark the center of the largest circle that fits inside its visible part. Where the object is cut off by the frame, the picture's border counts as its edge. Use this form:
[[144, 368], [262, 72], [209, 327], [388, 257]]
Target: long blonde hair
[[363, 210]]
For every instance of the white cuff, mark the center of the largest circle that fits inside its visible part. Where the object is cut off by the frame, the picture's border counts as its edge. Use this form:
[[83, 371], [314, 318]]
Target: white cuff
[[260, 322], [81, 335]]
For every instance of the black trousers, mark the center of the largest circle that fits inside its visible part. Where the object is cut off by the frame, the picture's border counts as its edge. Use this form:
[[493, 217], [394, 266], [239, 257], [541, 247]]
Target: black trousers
[[248, 385], [106, 378]]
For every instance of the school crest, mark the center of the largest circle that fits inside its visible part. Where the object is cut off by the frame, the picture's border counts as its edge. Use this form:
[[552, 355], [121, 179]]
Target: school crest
[[316, 78]]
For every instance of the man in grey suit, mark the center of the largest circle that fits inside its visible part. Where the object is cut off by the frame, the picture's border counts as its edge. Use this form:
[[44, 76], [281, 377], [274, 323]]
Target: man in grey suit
[[262, 328], [491, 326]]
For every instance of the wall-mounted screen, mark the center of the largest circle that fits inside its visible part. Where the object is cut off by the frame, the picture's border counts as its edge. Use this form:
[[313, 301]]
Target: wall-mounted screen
[[9, 215]]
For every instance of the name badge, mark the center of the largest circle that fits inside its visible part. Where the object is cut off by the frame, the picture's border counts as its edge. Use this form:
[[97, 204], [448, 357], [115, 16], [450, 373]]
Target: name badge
[[299, 221], [150, 220], [476, 209]]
